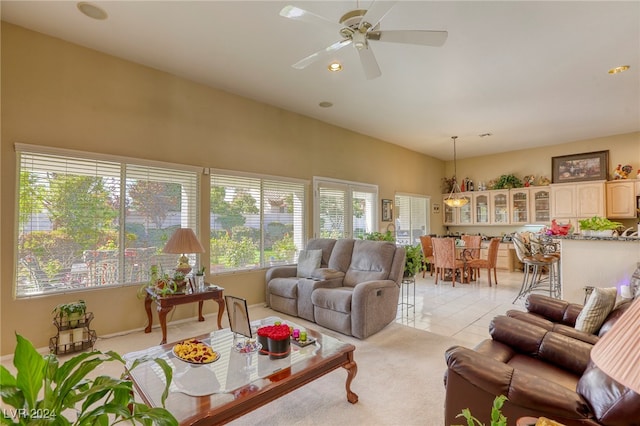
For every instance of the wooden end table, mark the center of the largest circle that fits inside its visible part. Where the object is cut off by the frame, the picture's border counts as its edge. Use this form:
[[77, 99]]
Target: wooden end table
[[166, 303]]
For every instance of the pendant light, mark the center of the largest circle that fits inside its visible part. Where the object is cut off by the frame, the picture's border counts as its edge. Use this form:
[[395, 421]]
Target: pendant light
[[455, 198]]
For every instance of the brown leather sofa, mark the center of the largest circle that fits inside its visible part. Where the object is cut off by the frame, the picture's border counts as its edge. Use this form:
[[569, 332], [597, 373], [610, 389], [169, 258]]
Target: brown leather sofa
[[543, 371]]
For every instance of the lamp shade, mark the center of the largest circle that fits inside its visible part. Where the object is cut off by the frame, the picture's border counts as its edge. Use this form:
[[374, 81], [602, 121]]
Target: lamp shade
[[182, 241], [617, 353]]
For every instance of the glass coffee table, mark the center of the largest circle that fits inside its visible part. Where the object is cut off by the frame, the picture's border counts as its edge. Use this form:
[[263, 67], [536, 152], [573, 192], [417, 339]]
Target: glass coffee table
[[237, 383]]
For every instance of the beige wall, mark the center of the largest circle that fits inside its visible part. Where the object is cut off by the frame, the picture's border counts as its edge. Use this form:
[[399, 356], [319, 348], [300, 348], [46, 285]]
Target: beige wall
[[62, 95]]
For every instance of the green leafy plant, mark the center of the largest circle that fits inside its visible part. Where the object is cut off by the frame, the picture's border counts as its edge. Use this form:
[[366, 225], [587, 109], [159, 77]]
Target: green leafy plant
[[70, 313], [44, 392], [413, 260], [598, 224], [508, 182], [497, 418], [379, 236]]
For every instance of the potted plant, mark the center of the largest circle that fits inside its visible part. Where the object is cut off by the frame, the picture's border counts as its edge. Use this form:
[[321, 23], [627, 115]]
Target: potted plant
[[43, 391], [598, 226], [497, 418], [70, 313], [413, 260]]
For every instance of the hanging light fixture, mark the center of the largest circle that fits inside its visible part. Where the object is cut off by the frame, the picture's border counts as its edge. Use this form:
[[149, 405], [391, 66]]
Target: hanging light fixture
[[455, 198]]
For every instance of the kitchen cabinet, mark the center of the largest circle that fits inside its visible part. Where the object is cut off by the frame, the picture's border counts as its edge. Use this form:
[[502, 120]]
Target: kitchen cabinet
[[499, 201], [573, 201], [481, 208], [621, 199], [540, 207], [519, 205], [507, 258], [460, 215]]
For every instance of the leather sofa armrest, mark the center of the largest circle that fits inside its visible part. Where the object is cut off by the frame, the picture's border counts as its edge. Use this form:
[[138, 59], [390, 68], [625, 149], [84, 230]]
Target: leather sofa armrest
[[555, 310], [327, 274], [521, 388], [555, 348], [281, 272]]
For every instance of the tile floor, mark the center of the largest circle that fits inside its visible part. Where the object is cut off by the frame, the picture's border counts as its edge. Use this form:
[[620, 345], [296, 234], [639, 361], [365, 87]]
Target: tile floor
[[463, 311]]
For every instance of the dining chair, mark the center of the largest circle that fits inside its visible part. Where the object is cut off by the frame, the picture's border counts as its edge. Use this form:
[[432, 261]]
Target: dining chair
[[444, 253], [427, 254], [472, 244], [489, 263]]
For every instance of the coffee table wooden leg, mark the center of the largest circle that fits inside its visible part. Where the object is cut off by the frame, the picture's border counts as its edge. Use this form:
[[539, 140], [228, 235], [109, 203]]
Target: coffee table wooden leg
[[200, 317], [352, 370], [162, 315], [147, 307], [220, 301]]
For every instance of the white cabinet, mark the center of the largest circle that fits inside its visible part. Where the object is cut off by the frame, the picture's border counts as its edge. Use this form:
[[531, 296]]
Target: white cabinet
[[481, 208], [540, 207], [572, 201], [499, 207], [621, 199], [519, 205], [458, 215]]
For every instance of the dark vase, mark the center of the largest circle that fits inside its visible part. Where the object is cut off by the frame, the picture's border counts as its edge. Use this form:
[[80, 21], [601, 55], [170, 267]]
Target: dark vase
[[264, 341], [279, 348]]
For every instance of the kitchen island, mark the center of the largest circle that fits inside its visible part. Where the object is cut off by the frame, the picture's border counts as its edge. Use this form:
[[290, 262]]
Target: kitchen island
[[596, 262]]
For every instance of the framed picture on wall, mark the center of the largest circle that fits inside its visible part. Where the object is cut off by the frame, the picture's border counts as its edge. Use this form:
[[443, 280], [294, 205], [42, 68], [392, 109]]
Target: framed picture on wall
[[387, 210], [580, 167]]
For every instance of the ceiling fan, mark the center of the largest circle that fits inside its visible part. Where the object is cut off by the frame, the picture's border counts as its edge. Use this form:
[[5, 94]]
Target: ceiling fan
[[359, 27]]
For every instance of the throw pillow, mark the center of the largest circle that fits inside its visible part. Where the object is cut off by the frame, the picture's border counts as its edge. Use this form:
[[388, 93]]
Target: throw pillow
[[595, 311], [308, 261]]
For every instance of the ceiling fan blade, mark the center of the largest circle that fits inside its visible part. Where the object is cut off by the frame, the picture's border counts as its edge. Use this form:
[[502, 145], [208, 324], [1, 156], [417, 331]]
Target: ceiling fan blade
[[369, 63], [295, 13], [319, 54], [422, 37], [377, 11]]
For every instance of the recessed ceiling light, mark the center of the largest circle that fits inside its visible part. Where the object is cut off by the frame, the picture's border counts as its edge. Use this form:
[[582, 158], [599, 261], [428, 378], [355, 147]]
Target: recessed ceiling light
[[335, 67], [484, 135], [91, 10], [616, 70], [325, 104]]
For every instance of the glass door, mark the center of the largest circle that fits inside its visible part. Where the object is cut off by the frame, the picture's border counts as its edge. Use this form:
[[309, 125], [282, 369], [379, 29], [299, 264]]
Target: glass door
[[519, 205], [500, 207], [540, 205], [481, 204]]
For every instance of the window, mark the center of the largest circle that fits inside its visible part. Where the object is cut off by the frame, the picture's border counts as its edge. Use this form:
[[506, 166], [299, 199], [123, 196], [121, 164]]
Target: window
[[412, 218], [344, 209], [86, 221], [255, 221]]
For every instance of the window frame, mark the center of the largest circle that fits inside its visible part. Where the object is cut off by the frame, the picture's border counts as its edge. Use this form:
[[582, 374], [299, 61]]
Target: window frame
[[119, 163]]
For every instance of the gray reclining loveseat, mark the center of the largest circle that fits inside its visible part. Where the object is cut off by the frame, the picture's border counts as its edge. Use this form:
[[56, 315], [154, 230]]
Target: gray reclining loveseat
[[352, 287]]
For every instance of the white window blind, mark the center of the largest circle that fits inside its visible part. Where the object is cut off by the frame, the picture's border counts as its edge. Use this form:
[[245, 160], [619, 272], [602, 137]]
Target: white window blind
[[344, 209], [412, 218], [255, 221], [79, 227]]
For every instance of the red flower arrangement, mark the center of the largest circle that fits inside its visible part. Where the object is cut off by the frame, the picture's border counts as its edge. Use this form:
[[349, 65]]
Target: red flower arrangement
[[275, 332]]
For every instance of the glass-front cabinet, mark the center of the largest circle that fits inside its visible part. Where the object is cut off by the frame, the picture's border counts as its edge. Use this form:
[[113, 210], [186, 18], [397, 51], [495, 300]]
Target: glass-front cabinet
[[500, 207], [519, 203], [481, 208], [460, 215], [540, 205]]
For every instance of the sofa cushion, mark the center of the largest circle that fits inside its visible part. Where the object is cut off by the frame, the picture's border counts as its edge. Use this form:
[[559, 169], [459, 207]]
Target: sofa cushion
[[371, 260], [324, 244], [335, 299], [308, 261], [600, 303], [284, 287]]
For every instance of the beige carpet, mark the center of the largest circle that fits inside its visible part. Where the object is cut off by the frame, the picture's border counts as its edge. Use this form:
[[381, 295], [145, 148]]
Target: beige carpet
[[399, 379]]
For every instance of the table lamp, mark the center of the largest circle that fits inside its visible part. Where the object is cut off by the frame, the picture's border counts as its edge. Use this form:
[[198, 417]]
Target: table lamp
[[617, 353], [183, 241]]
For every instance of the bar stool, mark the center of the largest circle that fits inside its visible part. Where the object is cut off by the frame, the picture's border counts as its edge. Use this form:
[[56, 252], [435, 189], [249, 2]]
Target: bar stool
[[534, 267]]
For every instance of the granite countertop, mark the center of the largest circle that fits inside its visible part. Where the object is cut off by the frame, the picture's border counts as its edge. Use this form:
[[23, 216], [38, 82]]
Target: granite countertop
[[584, 238]]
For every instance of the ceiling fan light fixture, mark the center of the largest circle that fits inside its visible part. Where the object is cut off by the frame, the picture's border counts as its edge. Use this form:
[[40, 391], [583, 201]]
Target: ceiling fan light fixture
[[455, 198], [619, 69], [335, 66]]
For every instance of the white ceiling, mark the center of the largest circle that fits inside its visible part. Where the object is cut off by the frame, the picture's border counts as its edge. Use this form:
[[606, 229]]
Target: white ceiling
[[531, 73]]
